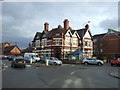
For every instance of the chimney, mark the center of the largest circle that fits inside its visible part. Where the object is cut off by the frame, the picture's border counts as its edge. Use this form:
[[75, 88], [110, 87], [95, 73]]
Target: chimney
[[29, 45], [87, 26], [59, 26], [10, 44], [66, 24], [70, 28], [46, 26]]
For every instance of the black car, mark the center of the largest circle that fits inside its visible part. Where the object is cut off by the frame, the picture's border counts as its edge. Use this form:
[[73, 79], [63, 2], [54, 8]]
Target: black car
[[18, 63]]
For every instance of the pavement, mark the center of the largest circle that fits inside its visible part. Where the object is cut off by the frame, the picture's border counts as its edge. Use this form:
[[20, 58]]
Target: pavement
[[115, 74]]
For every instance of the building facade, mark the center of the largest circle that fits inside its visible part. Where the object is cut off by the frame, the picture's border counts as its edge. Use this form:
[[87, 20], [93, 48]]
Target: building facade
[[107, 44], [61, 41]]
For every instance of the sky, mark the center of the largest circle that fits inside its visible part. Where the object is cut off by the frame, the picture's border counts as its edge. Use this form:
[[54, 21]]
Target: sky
[[21, 20]]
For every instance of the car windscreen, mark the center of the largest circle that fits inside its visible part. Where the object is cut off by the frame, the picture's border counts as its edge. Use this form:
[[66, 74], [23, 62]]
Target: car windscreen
[[19, 60]]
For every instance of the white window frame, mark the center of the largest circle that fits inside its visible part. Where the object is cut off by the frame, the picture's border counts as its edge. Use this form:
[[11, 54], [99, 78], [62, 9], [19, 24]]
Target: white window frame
[[37, 43]]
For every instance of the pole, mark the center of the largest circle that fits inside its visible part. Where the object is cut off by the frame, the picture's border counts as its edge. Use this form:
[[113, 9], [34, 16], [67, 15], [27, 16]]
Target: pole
[[31, 60]]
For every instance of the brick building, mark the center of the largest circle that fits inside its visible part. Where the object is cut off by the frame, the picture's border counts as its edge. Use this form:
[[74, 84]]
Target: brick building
[[60, 41], [107, 44]]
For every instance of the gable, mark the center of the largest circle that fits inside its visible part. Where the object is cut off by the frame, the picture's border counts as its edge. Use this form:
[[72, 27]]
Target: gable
[[68, 33], [75, 34], [87, 35], [15, 50], [111, 33], [110, 37]]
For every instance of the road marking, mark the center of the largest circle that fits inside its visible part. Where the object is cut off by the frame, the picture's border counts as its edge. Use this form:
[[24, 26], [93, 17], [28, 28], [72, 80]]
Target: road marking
[[72, 73], [5, 66], [28, 65], [73, 65]]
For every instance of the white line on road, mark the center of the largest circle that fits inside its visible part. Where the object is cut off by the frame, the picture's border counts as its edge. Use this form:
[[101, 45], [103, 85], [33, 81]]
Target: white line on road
[[28, 65], [72, 73]]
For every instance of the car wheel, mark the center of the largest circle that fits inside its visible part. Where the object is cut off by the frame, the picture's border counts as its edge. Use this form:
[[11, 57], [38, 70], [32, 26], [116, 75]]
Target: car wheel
[[13, 66], [55, 63], [86, 63], [112, 64], [24, 66], [99, 64]]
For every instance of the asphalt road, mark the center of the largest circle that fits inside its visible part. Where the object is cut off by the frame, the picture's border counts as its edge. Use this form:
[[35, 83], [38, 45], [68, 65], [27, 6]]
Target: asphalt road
[[65, 76]]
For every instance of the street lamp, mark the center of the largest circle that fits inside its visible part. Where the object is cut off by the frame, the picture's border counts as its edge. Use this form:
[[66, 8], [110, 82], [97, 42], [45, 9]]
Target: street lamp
[[42, 48]]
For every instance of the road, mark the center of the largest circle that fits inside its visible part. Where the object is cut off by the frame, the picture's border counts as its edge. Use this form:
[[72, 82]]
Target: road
[[65, 76]]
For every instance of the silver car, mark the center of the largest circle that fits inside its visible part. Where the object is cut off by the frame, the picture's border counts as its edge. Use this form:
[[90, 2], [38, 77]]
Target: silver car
[[87, 61], [53, 61]]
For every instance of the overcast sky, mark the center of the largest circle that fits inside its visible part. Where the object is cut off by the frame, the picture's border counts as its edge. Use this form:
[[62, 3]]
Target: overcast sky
[[20, 21]]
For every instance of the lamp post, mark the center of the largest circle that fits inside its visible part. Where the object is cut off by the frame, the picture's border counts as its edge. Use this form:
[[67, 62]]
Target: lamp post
[[42, 48], [51, 48]]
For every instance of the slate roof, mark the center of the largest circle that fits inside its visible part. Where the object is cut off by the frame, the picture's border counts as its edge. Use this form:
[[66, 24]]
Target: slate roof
[[99, 36], [56, 30], [102, 35], [81, 32], [60, 30], [28, 49], [117, 32], [38, 34]]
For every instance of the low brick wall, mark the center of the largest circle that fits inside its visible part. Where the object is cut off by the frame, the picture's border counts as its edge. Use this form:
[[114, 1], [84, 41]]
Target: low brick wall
[[71, 61]]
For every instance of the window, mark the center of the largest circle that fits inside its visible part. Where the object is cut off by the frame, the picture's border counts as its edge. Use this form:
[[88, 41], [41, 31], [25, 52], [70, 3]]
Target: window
[[101, 50], [67, 41], [57, 34], [37, 43], [37, 37], [44, 42], [57, 41], [87, 43], [75, 42]]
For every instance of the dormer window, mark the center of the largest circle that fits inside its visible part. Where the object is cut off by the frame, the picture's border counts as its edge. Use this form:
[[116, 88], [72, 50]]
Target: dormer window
[[57, 34], [37, 37], [44, 35]]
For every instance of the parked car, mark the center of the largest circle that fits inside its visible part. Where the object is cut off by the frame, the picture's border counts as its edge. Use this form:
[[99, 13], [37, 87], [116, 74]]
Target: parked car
[[19, 57], [53, 61], [33, 55], [115, 62], [43, 59], [87, 61], [11, 57], [28, 59], [3, 57], [18, 63]]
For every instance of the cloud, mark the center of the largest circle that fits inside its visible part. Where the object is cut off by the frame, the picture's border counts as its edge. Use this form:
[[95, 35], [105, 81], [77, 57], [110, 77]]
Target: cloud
[[22, 20], [109, 23]]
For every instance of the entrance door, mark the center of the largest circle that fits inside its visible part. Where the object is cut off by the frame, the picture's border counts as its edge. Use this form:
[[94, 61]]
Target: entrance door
[[57, 53]]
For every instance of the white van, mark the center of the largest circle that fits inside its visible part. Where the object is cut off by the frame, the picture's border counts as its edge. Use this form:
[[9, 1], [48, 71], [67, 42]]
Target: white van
[[33, 55]]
